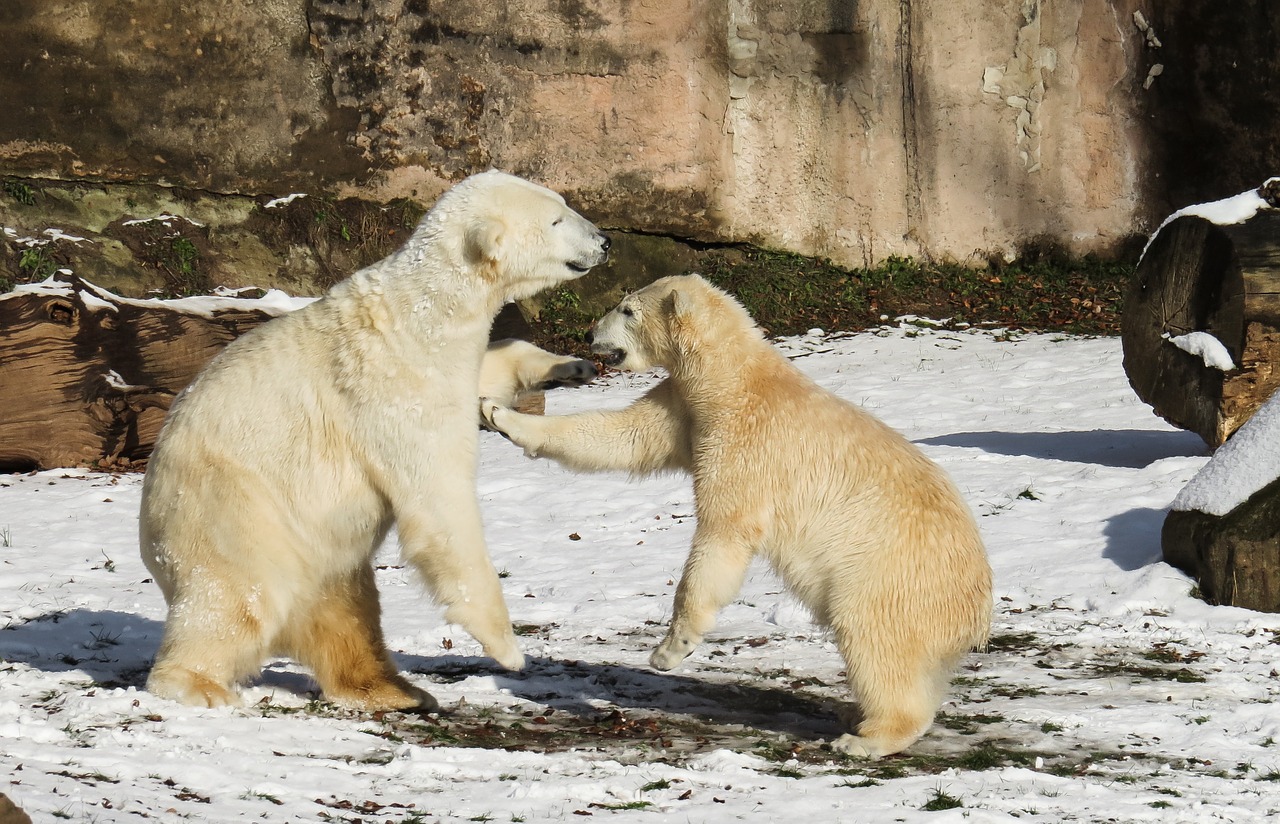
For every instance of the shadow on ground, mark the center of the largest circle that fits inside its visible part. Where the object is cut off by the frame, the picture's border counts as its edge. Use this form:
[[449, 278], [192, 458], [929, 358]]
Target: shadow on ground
[[1123, 448]]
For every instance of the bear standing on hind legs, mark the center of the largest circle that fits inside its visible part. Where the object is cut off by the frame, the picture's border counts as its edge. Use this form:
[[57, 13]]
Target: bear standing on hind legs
[[863, 529], [282, 467]]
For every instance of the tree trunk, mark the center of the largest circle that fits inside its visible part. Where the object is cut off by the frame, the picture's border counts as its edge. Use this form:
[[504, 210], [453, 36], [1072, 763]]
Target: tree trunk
[[1201, 277], [86, 377], [1235, 557]]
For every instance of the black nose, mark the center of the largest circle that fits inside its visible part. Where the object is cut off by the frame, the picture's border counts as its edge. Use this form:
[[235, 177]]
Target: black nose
[[605, 244], [591, 337]]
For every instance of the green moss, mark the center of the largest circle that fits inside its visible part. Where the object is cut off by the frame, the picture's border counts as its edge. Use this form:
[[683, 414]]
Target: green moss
[[789, 294]]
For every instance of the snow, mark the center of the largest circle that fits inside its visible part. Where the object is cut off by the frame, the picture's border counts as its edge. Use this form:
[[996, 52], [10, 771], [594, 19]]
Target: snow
[[1230, 210], [1110, 692], [276, 203], [273, 301], [1247, 462], [1206, 347], [165, 218]]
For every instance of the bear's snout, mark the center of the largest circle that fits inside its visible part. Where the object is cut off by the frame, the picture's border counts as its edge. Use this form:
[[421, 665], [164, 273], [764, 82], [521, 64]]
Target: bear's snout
[[611, 356]]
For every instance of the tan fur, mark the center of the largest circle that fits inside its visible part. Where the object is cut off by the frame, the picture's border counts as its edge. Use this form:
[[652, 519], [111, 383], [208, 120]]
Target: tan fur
[[282, 467], [862, 528]]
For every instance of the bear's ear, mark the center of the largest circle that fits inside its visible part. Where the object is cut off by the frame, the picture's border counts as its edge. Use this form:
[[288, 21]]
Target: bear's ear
[[483, 241], [679, 303]]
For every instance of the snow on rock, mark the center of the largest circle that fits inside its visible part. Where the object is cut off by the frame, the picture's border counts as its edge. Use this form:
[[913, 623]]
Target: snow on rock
[[1206, 347], [1243, 465], [276, 203]]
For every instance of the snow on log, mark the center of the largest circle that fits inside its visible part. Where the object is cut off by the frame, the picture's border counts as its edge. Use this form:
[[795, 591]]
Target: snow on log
[[87, 376], [1224, 526], [1201, 321]]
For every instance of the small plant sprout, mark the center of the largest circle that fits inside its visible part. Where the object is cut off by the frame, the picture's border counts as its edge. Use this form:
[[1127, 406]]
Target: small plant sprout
[[103, 638], [941, 801]]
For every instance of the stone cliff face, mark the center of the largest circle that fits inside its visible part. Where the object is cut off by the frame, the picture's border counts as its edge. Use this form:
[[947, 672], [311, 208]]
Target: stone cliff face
[[848, 129]]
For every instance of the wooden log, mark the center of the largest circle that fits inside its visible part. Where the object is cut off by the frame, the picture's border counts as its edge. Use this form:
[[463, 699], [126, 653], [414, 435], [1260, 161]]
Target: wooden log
[[1235, 558], [87, 376], [1198, 276]]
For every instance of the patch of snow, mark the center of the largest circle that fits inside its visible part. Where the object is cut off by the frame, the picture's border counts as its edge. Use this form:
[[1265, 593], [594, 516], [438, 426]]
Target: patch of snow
[[93, 302], [1206, 347], [275, 203], [1225, 212], [1247, 462], [115, 381], [58, 234], [165, 218]]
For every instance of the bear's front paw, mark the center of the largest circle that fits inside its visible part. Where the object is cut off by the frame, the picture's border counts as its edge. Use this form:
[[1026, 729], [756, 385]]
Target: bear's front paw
[[670, 653], [489, 411], [512, 658]]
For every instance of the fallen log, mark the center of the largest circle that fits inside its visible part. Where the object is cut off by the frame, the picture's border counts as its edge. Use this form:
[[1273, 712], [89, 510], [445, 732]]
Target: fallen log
[[1201, 323], [1223, 529], [87, 376]]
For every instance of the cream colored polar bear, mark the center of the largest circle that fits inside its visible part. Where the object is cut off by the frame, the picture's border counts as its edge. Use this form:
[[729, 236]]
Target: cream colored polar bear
[[513, 370], [863, 529], [282, 467]]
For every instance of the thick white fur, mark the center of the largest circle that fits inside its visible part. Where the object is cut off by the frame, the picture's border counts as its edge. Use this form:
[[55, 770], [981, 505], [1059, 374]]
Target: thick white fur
[[283, 465], [514, 368], [862, 528]]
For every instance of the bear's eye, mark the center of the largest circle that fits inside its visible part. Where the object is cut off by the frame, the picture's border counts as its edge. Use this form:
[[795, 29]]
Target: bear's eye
[[557, 221], [626, 312]]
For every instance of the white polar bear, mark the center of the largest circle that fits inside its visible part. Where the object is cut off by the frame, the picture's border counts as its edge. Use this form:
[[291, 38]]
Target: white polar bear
[[862, 528], [513, 370], [282, 467]]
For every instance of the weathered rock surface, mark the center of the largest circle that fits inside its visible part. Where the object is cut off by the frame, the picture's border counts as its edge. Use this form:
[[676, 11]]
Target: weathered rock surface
[[848, 130]]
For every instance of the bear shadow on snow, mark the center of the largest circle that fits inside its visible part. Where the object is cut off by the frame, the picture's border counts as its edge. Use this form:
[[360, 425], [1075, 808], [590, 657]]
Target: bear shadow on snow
[[114, 650], [1122, 448], [725, 699]]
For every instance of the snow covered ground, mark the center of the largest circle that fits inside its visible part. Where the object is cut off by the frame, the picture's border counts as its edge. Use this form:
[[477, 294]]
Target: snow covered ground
[[1110, 692]]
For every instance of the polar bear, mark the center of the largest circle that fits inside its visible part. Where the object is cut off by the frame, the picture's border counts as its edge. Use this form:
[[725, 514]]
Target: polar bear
[[512, 370], [282, 467], [863, 529]]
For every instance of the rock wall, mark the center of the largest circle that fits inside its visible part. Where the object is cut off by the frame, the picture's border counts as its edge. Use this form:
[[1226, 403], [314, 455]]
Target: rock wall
[[848, 129]]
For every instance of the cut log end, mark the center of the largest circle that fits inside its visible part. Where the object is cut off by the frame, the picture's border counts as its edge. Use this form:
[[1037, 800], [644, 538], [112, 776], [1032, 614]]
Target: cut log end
[[1197, 276]]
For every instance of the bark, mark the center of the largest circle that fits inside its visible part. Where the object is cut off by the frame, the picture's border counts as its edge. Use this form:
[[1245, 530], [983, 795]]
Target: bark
[[86, 376], [1235, 557], [1200, 277]]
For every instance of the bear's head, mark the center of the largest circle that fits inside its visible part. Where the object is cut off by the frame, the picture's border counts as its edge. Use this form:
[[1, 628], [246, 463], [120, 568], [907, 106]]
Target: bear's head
[[669, 321], [516, 235]]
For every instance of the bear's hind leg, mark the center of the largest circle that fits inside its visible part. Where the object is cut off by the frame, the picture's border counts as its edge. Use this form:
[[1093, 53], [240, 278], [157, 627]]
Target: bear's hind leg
[[898, 691], [338, 634], [207, 649]]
